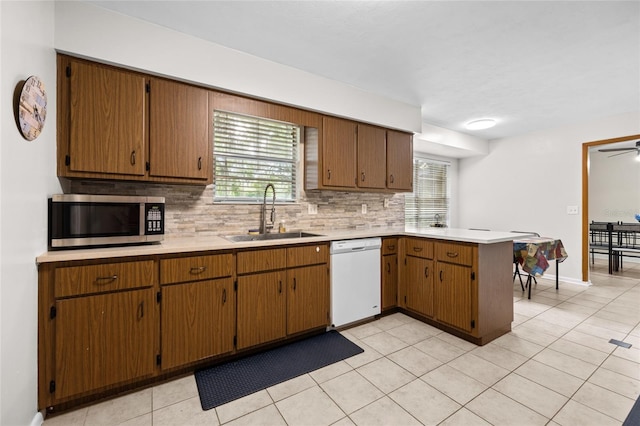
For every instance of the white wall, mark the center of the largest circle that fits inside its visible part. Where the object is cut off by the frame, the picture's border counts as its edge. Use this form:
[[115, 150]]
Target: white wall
[[614, 186], [27, 177], [86, 30], [527, 182]]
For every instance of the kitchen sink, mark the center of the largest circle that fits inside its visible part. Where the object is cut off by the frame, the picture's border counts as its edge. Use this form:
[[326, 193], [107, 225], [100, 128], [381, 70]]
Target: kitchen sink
[[268, 237]]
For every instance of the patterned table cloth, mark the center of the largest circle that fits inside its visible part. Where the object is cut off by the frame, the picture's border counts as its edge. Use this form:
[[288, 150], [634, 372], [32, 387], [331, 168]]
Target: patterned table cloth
[[533, 254]]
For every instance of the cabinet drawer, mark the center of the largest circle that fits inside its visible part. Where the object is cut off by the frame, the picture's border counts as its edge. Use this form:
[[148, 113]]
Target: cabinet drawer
[[455, 253], [307, 255], [419, 247], [78, 280], [389, 246], [261, 260], [195, 268]]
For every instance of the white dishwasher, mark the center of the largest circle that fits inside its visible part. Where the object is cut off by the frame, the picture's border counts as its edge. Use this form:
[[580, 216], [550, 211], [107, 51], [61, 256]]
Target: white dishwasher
[[355, 280]]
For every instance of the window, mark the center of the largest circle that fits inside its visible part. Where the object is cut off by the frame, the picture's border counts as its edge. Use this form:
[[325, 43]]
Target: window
[[429, 202], [250, 152]]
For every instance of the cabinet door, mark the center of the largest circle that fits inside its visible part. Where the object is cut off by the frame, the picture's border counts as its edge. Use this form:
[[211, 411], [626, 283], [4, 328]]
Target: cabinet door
[[453, 295], [197, 321], [399, 161], [307, 298], [339, 152], [179, 144], [389, 281], [107, 120], [371, 157], [261, 308], [419, 273], [104, 340]]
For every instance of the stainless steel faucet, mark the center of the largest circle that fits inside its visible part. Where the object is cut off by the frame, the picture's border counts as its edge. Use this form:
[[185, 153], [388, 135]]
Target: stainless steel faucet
[[264, 228]]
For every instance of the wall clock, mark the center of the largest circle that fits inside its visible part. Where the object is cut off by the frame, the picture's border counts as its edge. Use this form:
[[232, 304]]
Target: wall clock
[[32, 108]]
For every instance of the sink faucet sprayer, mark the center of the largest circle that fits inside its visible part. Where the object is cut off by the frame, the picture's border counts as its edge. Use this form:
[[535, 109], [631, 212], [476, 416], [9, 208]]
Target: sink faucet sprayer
[[264, 228]]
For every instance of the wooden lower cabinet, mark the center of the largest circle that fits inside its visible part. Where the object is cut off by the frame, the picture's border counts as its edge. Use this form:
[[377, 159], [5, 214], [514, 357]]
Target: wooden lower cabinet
[[262, 304], [103, 340], [419, 296], [389, 281], [453, 295], [198, 321], [307, 298]]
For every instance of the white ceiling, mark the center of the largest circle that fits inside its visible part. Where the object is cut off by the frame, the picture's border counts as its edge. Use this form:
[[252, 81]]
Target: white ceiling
[[531, 65]]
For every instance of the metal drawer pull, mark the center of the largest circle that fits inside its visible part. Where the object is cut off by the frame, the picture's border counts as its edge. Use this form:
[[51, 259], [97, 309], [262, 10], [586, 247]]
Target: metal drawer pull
[[441, 276], [141, 310], [280, 286], [110, 279], [452, 254], [294, 283], [132, 159], [199, 163], [388, 268], [224, 296], [391, 247], [197, 270], [426, 272], [363, 176], [417, 249], [329, 174]]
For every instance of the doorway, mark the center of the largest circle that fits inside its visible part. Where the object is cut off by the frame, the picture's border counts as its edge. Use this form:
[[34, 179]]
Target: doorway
[[585, 197]]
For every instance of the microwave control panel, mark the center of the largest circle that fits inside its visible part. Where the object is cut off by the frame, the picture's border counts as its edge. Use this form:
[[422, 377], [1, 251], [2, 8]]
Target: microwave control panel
[[154, 223]]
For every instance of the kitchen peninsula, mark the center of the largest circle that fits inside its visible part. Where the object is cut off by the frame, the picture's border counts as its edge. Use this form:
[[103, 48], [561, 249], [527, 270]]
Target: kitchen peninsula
[[112, 319]]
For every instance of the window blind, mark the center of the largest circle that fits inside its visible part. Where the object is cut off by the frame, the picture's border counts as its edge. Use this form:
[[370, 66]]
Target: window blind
[[249, 153], [430, 195]]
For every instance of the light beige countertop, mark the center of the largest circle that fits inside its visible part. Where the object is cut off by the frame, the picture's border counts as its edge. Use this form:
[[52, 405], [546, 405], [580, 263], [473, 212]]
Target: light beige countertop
[[213, 243]]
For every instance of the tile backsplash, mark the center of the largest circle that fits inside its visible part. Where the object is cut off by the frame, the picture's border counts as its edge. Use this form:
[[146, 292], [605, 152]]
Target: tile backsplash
[[190, 210]]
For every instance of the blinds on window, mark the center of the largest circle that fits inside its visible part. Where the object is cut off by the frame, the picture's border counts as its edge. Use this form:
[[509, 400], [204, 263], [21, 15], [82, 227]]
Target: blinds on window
[[430, 195], [249, 153]]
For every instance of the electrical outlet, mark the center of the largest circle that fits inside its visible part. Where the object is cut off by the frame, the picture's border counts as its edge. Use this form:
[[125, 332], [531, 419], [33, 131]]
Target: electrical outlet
[[385, 203], [364, 209], [572, 209], [313, 208]]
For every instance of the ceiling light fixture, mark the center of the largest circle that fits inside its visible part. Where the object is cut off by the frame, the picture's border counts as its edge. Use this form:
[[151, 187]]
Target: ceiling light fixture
[[483, 123]]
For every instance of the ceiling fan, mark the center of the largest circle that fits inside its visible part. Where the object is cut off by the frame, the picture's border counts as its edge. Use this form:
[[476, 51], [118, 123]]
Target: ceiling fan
[[635, 149]]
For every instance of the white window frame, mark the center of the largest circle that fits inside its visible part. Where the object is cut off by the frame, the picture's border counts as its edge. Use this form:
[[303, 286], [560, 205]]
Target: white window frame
[[420, 211]]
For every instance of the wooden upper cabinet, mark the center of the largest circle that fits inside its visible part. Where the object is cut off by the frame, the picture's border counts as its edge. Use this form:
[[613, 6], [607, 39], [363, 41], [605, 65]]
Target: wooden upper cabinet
[[399, 161], [107, 119], [179, 131], [339, 152], [371, 156]]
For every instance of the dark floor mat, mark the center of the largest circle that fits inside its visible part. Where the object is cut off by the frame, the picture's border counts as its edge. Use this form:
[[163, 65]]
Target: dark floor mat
[[633, 419], [226, 382]]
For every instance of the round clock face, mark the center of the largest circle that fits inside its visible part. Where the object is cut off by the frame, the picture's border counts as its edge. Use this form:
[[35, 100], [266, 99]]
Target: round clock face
[[32, 108]]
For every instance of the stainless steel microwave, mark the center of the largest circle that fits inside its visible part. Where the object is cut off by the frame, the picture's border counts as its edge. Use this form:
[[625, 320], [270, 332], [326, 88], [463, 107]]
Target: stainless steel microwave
[[80, 220]]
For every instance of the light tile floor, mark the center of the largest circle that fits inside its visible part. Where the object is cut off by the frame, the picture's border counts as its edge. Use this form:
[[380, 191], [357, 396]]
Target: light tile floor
[[556, 367]]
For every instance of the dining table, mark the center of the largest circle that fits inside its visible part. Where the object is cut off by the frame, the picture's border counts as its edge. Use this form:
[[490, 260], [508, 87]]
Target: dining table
[[533, 255]]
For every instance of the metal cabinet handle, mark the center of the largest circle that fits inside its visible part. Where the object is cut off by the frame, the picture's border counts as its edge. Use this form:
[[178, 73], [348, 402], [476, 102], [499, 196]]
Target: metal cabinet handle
[[452, 254], [280, 286], [388, 268], [199, 163], [109, 279], [391, 178], [141, 310], [426, 272], [391, 247], [294, 283], [197, 270], [441, 275], [132, 159], [329, 174], [417, 249], [224, 296], [362, 176]]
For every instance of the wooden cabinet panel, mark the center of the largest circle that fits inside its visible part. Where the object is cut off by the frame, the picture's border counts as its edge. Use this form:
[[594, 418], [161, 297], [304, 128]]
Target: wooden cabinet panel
[[389, 246], [339, 152], [419, 247], [103, 340], [399, 161], [179, 124], [372, 154], [453, 295], [261, 260], [262, 303], [194, 268], [198, 321], [107, 120], [88, 279], [307, 298], [389, 281], [454, 253], [419, 286], [307, 255]]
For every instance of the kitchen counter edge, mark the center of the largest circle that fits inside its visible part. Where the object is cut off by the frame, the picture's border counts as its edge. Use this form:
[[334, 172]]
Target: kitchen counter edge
[[216, 243]]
